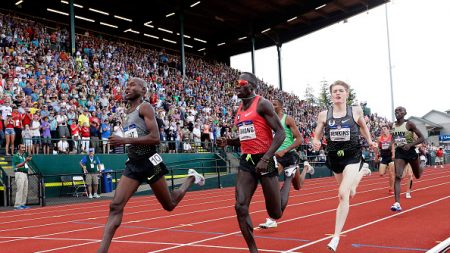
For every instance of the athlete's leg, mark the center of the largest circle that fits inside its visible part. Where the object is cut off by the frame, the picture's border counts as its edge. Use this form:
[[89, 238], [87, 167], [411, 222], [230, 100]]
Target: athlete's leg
[[416, 168], [391, 174], [169, 200], [382, 169], [276, 199], [399, 167], [124, 191], [245, 187], [350, 178]]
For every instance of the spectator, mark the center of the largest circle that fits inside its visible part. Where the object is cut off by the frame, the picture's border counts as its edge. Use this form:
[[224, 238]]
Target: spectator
[[27, 136], [10, 135], [63, 146], [21, 168], [46, 136], [85, 137], [106, 133], [90, 164], [439, 157]]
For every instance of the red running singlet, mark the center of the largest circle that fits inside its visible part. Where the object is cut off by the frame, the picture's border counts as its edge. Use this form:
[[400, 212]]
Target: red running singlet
[[254, 132]]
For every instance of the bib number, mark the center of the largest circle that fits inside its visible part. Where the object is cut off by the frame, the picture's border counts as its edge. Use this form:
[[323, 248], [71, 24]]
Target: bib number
[[131, 131], [385, 145], [155, 159], [342, 134], [247, 131]]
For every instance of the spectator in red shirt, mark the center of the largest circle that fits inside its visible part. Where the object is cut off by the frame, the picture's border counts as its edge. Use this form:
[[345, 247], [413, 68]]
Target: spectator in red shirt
[[85, 137]]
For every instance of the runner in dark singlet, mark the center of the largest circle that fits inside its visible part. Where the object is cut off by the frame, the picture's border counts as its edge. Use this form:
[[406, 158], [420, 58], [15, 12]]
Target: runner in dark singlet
[[141, 135], [343, 125]]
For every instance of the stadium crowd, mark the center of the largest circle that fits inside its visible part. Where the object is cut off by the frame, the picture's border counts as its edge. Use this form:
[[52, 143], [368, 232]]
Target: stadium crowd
[[48, 95]]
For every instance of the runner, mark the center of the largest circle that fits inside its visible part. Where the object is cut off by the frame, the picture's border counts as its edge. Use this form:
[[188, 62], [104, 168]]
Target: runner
[[256, 119], [342, 125], [405, 151], [286, 155], [141, 135], [385, 155]]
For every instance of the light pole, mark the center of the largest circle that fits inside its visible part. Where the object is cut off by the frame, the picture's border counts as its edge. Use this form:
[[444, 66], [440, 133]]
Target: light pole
[[390, 64]]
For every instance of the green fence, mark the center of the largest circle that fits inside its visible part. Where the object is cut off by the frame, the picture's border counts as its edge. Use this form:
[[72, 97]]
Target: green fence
[[52, 167]]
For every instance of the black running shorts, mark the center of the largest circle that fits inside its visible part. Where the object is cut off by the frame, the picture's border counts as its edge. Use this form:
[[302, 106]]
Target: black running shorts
[[248, 163], [147, 170], [407, 156], [289, 159], [337, 163]]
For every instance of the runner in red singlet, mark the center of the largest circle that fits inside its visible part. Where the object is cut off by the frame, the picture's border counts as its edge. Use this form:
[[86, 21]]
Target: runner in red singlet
[[256, 119]]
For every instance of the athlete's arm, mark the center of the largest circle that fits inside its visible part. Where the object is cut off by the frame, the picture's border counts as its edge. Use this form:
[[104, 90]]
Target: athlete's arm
[[147, 112], [318, 132], [296, 134], [412, 127], [266, 110], [358, 114], [222, 142]]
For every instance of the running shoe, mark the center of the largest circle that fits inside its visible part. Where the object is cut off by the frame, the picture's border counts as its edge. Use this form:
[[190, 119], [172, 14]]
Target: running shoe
[[268, 224], [310, 169], [333, 243], [90, 196], [366, 170], [199, 179], [96, 196], [18, 208], [408, 195], [396, 207], [290, 171], [25, 207]]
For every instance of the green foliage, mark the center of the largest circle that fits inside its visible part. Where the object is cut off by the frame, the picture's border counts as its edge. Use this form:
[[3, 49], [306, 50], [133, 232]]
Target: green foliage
[[309, 95], [324, 95]]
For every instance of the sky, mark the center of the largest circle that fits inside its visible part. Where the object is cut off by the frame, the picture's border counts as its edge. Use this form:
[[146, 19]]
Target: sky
[[356, 52]]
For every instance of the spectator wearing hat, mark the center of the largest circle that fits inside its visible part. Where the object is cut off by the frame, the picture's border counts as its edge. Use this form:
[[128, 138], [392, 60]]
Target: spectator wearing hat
[[89, 164]]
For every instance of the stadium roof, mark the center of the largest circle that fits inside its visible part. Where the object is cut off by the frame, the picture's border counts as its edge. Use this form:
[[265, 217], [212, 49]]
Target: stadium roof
[[215, 28]]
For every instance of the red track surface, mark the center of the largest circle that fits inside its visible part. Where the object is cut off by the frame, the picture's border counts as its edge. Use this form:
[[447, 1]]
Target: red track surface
[[205, 222]]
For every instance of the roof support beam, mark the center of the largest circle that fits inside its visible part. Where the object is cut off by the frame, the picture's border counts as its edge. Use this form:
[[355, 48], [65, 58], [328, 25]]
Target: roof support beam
[[183, 65], [253, 53], [72, 27], [280, 75]]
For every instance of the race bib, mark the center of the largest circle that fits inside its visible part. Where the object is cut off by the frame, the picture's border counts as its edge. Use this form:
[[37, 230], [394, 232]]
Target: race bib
[[155, 159], [246, 131], [131, 131], [400, 141], [340, 134], [92, 165], [385, 145]]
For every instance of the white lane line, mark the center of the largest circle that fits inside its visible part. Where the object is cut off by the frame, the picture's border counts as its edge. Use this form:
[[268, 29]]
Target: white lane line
[[368, 224]]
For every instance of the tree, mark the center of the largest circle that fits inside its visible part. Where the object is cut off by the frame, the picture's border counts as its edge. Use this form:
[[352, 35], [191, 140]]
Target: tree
[[351, 97], [324, 95], [309, 95]]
